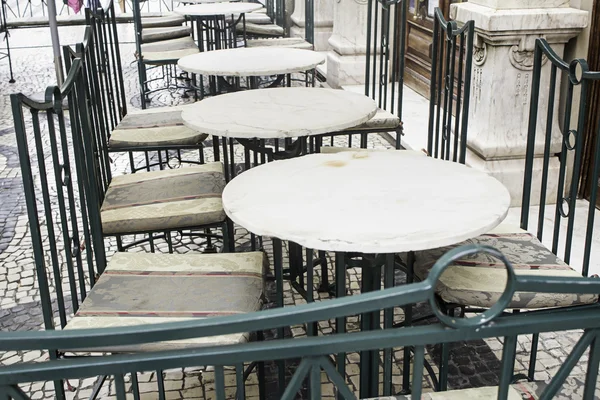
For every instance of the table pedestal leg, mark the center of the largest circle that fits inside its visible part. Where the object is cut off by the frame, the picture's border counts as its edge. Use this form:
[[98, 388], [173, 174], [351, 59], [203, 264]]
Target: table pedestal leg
[[369, 360], [340, 323], [408, 322]]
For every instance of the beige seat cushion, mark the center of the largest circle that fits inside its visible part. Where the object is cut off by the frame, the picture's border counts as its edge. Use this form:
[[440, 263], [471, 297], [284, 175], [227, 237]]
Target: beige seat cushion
[[168, 51], [161, 127], [295, 43], [153, 288], [479, 280], [572, 389], [262, 30], [150, 35], [381, 120], [166, 20], [164, 200]]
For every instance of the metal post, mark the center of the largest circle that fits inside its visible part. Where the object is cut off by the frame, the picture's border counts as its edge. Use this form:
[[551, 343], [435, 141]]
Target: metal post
[[58, 65]]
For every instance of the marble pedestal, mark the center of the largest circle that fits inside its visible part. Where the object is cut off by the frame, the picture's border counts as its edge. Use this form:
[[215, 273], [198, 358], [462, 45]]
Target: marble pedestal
[[346, 60], [323, 20], [501, 82]]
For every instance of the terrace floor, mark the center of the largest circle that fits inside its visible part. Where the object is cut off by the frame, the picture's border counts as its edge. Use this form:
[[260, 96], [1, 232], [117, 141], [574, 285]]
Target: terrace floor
[[473, 364]]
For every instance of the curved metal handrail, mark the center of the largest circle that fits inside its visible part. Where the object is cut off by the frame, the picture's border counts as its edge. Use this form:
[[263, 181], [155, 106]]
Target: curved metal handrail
[[274, 318]]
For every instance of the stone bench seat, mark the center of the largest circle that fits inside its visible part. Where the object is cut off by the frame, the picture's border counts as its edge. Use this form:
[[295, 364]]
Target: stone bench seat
[[150, 35], [295, 43], [153, 288], [168, 51]]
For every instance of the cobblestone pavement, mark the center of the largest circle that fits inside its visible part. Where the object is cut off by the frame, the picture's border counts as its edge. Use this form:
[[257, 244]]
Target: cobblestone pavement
[[472, 364]]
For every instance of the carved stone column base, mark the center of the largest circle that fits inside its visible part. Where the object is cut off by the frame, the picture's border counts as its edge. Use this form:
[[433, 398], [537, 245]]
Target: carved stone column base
[[511, 174], [345, 70], [501, 81], [323, 20], [322, 35]]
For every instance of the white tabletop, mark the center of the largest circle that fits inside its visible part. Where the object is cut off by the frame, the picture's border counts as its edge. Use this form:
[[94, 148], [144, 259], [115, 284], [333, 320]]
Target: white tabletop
[[209, 9], [204, 1], [279, 112], [369, 202], [251, 61]]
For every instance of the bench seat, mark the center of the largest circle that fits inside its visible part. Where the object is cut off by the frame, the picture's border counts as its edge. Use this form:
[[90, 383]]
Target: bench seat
[[150, 35], [171, 199], [164, 21], [479, 281], [267, 30], [295, 43], [168, 51], [156, 127], [153, 288]]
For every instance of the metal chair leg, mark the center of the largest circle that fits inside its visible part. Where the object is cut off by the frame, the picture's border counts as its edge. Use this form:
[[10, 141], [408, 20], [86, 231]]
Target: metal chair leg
[[533, 356]]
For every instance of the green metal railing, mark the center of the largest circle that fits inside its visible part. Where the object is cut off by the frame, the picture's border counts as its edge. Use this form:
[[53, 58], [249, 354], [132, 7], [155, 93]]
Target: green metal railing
[[316, 353], [568, 145], [450, 88], [61, 232], [6, 34]]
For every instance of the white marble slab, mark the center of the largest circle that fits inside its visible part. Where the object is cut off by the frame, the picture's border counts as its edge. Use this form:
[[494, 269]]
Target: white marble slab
[[279, 112], [210, 9], [204, 1], [254, 61], [370, 202]]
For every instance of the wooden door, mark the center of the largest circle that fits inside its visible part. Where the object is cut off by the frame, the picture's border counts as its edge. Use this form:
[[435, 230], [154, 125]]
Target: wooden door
[[420, 42]]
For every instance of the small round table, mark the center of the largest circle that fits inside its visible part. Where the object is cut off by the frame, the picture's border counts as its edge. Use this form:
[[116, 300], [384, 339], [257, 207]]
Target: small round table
[[251, 63], [213, 30], [373, 203], [278, 113], [215, 8]]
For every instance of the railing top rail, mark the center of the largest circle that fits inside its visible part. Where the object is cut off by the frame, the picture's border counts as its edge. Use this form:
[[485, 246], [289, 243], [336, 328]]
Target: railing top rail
[[352, 305]]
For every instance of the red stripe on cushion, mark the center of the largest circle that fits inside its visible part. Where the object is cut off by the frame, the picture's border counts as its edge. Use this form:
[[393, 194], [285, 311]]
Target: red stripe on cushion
[[185, 273], [155, 314], [515, 266]]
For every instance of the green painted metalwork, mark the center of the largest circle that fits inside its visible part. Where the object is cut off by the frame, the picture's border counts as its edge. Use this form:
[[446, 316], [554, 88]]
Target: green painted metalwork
[[280, 15], [309, 19], [385, 49], [576, 74], [450, 88], [314, 351], [4, 30]]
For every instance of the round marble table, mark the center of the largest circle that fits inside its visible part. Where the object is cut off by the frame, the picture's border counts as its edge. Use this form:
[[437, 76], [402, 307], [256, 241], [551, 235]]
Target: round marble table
[[254, 61], [205, 1], [216, 23], [378, 203], [367, 202], [217, 9], [279, 113]]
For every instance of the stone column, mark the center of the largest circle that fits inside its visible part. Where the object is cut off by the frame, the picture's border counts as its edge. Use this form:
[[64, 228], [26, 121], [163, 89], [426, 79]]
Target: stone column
[[346, 60], [323, 22], [501, 81]]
